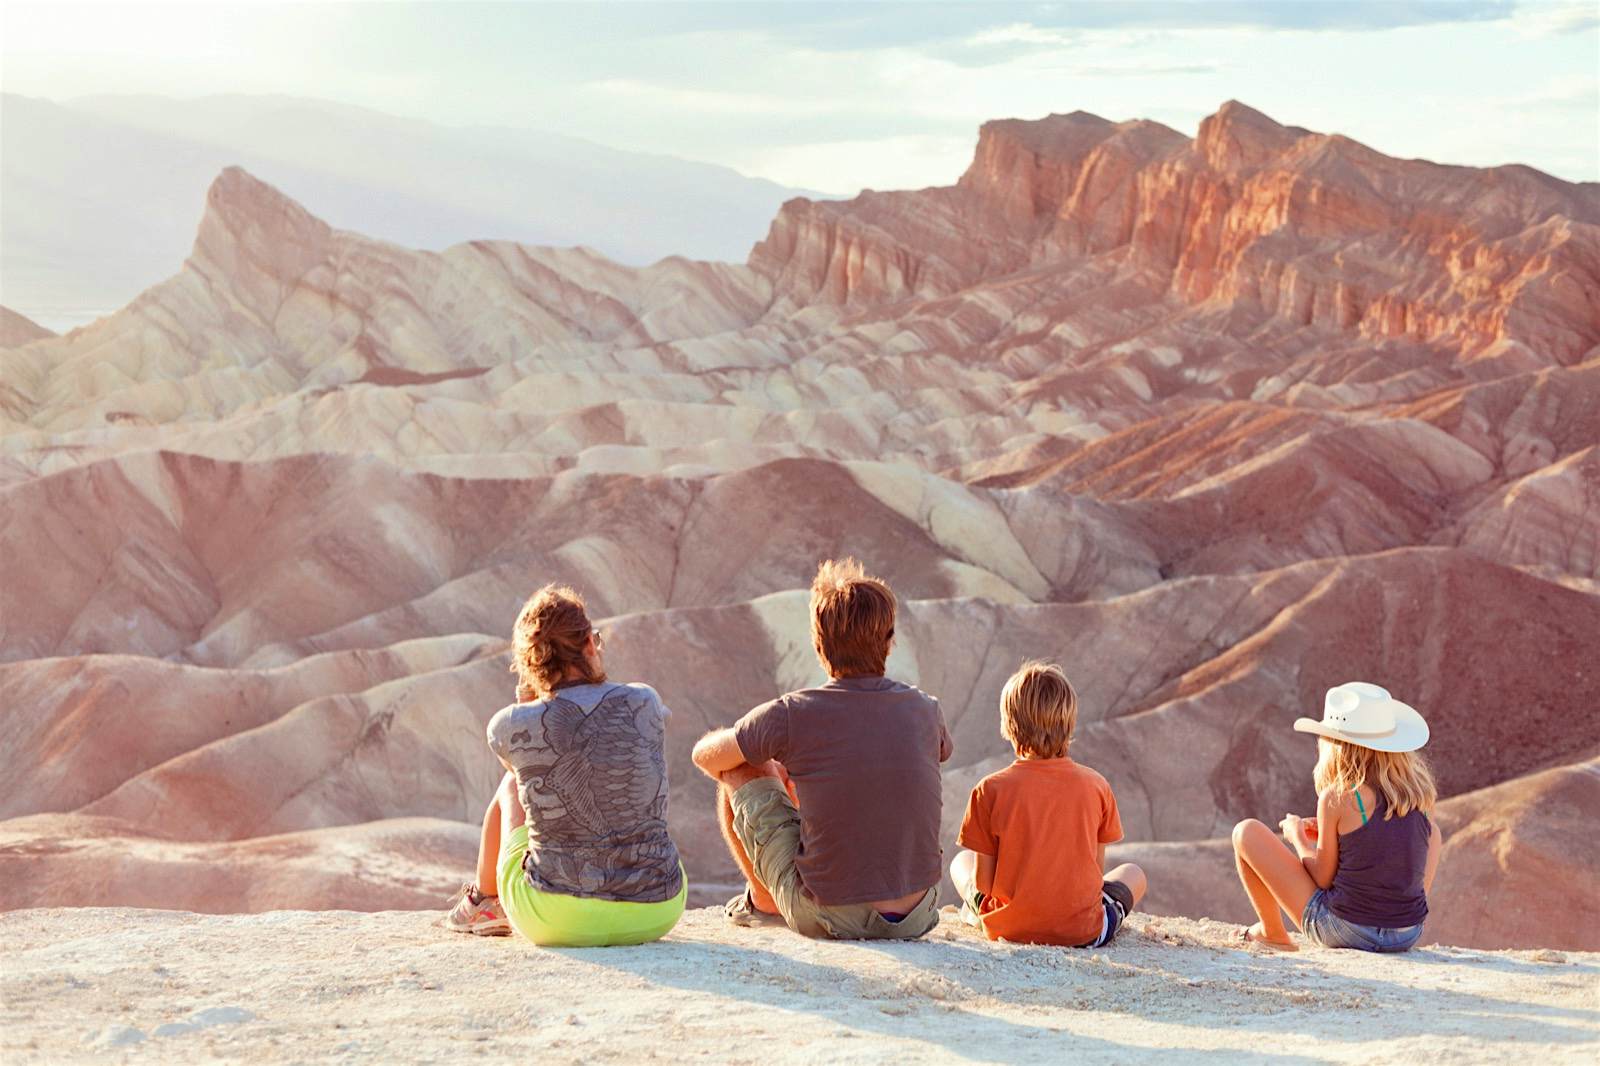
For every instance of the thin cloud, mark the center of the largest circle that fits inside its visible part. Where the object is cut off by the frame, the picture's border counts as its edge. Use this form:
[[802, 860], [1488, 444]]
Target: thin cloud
[[1556, 19], [1581, 94], [1146, 70], [981, 33], [712, 102], [1022, 33]]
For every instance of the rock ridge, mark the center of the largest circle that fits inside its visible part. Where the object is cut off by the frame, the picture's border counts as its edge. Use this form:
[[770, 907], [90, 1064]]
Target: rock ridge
[[1250, 212]]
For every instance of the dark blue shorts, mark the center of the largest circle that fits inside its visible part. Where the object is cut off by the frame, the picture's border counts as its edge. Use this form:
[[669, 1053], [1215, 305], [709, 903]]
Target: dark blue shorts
[[1116, 899]]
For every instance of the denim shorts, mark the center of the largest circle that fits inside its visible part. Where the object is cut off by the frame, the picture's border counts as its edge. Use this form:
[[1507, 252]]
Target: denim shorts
[[1326, 928]]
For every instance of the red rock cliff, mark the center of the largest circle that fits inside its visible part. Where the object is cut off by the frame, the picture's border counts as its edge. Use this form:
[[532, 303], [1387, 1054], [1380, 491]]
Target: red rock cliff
[[1313, 228]]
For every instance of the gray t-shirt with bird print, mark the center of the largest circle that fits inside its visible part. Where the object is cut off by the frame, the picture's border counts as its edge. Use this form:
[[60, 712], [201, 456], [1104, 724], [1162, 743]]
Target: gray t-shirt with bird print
[[592, 774]]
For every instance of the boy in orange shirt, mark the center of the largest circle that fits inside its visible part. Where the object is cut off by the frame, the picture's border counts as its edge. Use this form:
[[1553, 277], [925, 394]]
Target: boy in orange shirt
[[1036, 832]]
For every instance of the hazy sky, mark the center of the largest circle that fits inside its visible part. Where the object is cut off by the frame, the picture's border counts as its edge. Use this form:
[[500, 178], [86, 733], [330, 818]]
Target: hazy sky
[[836, 97]]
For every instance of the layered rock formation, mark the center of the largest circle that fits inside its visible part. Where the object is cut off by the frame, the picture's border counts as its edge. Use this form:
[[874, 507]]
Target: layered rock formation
[[1217, 423]]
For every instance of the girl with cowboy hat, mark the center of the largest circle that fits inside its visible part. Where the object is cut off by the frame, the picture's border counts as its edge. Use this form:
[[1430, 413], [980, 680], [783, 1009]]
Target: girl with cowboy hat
[[1359, 872]]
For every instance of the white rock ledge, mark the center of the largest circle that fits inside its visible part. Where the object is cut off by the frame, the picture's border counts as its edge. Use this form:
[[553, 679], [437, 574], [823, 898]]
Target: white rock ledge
[[79, 985]]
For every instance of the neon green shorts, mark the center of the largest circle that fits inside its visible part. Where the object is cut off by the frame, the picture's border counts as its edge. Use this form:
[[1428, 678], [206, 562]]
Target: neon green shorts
[[554, 920]]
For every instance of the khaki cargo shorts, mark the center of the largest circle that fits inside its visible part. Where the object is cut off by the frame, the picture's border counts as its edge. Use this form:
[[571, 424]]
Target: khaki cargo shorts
[[768, 826]]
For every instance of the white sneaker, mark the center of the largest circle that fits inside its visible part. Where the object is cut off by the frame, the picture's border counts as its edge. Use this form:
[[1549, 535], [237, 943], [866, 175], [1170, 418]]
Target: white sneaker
[[473, 912]]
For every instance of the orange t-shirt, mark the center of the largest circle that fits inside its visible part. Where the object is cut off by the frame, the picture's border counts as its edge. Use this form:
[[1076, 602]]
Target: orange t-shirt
[[1043, 820]]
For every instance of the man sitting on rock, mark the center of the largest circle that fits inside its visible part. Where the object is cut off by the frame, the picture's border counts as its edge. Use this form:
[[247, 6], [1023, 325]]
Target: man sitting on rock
[[853, 852]]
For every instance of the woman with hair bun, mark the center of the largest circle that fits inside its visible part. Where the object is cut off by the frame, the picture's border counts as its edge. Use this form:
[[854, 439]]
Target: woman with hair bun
[[575, 851]]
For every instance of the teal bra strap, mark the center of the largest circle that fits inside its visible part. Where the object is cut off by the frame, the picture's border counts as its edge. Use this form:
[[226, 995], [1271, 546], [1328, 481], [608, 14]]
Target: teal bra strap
[[1362, 807]]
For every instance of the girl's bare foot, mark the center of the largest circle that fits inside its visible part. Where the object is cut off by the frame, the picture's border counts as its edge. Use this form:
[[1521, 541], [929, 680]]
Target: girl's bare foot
[[1258, 936]]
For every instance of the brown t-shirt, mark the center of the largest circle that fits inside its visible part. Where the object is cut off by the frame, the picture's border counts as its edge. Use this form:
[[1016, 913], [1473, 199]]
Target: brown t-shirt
[[864, 755], [1043, 820]]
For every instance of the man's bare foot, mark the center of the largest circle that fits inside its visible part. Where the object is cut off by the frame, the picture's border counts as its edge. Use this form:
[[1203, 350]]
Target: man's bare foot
[[762, 898], [1258, 936]]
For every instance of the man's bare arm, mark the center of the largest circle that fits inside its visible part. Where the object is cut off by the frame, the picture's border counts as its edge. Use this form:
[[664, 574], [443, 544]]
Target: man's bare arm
[[718, 752]]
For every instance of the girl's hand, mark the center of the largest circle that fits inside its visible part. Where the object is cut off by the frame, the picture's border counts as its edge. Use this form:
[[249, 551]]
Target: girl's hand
[[1294, 831]]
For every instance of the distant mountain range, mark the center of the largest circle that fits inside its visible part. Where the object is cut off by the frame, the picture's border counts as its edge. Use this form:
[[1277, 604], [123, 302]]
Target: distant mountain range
[[98, 195]]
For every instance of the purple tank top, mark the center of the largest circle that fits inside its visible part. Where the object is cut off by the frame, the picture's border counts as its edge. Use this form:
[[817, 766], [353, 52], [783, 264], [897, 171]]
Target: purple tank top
[[1379, 878]]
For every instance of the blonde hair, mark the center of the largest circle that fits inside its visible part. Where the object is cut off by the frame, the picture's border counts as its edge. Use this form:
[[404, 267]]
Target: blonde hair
[[1039, 710], [852, 619], [1402, 776], [547, 643]]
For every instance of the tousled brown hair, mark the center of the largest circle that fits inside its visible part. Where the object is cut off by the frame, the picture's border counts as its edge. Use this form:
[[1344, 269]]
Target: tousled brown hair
[[852, 619], [1039, 710], [547, 643]]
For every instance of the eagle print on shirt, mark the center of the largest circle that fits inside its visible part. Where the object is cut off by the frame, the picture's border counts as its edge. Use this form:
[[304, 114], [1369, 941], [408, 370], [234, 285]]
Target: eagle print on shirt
[[594, 784]]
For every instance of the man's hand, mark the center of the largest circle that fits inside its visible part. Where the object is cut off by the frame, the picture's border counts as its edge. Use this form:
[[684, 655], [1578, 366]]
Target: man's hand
[[744, 773]]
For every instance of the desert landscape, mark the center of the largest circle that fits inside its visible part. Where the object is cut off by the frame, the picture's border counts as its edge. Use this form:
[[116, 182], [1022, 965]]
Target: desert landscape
[[1214, 421]]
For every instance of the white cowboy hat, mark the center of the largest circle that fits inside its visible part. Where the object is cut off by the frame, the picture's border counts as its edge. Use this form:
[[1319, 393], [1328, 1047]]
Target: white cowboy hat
[[1367, 716]]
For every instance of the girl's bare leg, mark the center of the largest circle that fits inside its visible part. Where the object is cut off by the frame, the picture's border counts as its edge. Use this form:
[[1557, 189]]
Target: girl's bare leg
[[489, 844], [1273, 878]]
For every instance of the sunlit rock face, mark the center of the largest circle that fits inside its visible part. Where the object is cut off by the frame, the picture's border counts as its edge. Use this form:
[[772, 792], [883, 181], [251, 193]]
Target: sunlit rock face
[[1216, 423]]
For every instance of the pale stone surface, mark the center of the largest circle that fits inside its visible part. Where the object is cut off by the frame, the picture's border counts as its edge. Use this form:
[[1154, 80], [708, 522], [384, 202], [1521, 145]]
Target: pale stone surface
[[170, 987]]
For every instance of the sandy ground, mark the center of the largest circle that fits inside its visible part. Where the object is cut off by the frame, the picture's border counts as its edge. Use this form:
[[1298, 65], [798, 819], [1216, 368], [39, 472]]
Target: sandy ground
[[296, 986]]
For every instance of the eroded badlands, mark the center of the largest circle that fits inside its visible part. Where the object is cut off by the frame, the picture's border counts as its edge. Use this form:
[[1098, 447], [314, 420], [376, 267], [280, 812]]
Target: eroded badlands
[[1215, 422]]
